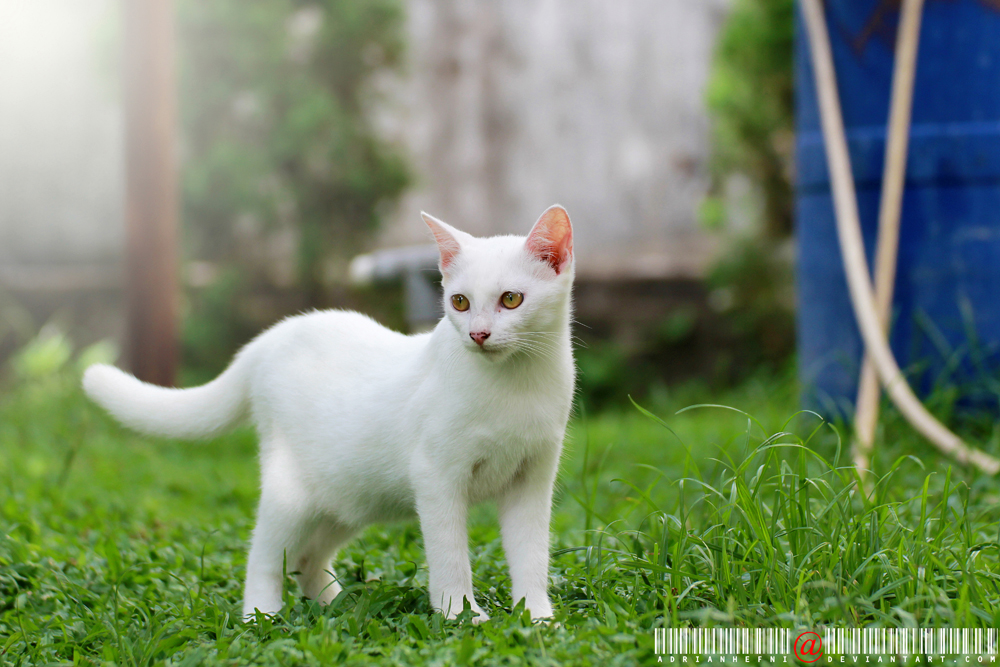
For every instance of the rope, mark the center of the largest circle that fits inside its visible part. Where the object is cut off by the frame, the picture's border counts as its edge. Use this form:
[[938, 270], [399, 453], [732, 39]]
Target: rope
[[890, 209]]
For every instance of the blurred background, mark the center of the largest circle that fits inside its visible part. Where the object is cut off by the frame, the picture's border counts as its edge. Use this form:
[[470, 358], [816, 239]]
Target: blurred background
[[308, 133], [177, 175]]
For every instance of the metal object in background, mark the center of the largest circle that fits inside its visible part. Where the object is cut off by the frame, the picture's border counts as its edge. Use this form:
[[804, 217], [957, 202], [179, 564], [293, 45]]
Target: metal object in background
[[151, 282], [418, 267]]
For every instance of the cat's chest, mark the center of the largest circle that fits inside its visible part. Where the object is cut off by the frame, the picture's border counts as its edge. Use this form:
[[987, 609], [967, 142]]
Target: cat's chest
[[513, 417], [486, 430], [491, 475], [501, 438]]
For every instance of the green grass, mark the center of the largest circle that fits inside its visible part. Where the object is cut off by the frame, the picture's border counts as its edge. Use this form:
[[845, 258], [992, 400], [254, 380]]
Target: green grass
[[120, 549]]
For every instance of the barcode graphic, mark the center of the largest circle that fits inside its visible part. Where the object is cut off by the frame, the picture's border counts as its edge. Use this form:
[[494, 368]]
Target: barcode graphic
[[835, 641]]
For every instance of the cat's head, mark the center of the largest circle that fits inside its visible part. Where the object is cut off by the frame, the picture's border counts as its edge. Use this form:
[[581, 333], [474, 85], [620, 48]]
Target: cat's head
[[506, 294]]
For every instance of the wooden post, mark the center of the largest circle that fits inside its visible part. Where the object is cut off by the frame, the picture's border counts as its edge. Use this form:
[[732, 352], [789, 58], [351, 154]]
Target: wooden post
[[151, 288]]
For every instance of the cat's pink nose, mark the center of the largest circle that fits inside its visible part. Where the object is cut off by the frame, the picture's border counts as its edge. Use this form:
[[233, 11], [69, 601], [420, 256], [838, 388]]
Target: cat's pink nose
[[480, 337]]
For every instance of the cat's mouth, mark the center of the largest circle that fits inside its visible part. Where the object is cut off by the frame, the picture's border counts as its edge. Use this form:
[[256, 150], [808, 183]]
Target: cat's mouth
[[491, 351]]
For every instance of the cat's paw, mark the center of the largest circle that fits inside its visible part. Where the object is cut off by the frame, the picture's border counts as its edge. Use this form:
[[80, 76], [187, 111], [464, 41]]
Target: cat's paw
[[261, 599], [323, 590], [541, 610], [548, 621]]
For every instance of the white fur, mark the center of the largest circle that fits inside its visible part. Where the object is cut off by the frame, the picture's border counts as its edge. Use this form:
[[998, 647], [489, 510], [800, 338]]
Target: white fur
[[360, 424]]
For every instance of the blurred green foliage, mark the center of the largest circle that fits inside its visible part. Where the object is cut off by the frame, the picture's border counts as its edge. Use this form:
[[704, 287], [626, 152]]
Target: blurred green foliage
[[48, 356], [280, 159], [215, 325], [751, 101], [752, 289], [750, 97], [671, 350], [274, 119]]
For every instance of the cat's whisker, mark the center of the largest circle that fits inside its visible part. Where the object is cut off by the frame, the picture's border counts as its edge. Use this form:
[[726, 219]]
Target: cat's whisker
[[540, 350], [535, 344]]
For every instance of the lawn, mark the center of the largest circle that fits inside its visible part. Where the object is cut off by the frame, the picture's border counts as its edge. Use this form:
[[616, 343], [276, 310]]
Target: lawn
[[121, 549]]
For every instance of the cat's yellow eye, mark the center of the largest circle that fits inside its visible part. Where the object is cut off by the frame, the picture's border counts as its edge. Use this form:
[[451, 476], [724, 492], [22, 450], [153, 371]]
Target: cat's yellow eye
[[511, 300], [460, 302]]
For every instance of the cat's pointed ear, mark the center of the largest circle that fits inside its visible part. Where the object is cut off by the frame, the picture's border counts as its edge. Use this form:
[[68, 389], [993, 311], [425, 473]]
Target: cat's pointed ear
[[447, 240], [551, 239]]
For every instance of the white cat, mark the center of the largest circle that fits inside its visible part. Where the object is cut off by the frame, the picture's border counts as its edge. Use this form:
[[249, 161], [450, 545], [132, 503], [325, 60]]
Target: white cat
[[360, 424]]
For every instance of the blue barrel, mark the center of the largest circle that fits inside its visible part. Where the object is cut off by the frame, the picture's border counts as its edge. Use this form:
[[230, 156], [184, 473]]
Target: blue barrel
[[946, 315]]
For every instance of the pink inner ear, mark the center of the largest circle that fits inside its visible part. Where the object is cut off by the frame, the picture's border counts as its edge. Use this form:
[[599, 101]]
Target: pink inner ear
[[448, 245], [551, 239]]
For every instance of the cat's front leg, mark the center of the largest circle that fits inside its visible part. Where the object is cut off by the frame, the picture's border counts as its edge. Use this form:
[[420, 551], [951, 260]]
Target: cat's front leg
[[443, 510], [524, 509]]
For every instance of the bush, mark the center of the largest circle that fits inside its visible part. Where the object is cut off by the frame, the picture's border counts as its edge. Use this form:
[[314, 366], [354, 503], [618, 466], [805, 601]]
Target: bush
[[750, 97], [282, 169]]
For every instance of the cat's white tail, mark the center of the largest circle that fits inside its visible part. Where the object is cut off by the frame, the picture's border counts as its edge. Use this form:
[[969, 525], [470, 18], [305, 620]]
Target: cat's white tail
[[197, 412]]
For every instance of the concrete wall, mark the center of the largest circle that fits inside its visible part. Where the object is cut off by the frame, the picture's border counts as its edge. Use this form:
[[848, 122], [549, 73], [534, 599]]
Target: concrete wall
[[512, 106]]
